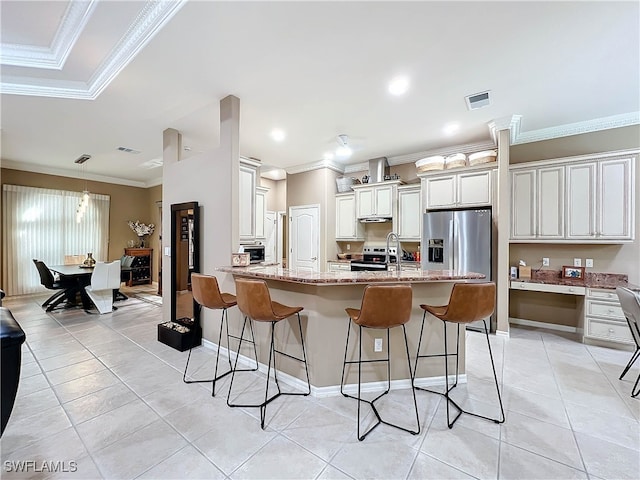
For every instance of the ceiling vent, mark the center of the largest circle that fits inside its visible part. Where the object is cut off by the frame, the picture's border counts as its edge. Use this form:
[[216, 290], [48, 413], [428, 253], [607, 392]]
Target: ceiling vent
[[478, 100], [128, 150], [82, 158]]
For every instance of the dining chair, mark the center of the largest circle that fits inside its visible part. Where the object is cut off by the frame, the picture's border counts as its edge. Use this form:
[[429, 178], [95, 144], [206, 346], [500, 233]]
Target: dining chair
[[104, 280], [630, 303], [63, 288]]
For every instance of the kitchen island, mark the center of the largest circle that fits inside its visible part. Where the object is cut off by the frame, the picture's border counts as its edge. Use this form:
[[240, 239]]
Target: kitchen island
[[325, 296]]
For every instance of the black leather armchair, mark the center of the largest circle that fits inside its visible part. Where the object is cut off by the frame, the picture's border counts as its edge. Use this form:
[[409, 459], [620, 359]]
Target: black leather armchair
[[11, 337]]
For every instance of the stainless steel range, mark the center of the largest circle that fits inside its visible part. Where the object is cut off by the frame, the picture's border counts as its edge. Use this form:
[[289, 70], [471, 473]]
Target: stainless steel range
[[374, 258]]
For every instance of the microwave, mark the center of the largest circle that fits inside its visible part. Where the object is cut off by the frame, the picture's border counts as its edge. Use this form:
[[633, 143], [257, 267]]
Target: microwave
[[256, 253]]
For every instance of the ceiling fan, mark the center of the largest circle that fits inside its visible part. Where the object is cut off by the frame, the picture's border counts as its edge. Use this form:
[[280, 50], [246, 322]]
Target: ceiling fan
[[345, 147]]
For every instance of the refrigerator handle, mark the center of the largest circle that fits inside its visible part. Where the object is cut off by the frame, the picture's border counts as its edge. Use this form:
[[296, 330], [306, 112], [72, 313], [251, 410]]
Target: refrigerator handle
[[457, 244], [451, 238]]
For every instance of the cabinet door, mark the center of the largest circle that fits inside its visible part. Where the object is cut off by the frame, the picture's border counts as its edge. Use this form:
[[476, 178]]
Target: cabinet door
[[474, 189], [614, 215], [261, 210], [409, 214], [247, 200], [523, 204], [581, 201], [384, 201], [441, 192], [346, 223], [550, 193], [365, 202]]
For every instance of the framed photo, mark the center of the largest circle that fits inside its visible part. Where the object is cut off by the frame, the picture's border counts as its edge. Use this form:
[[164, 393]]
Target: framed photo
[[183, 219], [572, 272], [184, 236], [184, 228]]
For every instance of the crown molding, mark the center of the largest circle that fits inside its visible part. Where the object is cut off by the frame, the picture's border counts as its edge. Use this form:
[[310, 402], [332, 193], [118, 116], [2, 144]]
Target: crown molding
[[62, 172], [72, 24], [577, 128], [154, 15], [308, 167], [510, 122]]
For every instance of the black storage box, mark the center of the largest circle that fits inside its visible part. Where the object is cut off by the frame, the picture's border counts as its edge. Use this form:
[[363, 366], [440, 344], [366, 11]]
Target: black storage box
[[181, 341]]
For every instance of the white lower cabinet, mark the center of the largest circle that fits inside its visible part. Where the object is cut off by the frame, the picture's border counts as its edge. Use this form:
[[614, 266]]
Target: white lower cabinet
[[603, 317], [338, 266]]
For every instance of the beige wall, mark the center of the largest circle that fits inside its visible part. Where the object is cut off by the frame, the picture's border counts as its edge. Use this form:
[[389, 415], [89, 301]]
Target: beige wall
[[277, 194], [317, 187], [613, 258], [127, 203]]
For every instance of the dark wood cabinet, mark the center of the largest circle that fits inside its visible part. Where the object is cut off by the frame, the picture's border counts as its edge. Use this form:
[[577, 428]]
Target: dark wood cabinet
[[141, 267]]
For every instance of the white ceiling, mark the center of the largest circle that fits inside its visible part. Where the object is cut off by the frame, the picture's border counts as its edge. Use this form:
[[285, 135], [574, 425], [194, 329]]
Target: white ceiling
[[89, 77]]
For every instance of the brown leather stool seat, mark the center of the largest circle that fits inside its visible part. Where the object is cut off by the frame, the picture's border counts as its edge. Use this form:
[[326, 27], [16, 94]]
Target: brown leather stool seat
[[206, 293], [383, 307], [468, 303], [254, 301]]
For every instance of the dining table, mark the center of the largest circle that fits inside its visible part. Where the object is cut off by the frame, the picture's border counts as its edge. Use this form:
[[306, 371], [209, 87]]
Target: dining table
[[80, 277]]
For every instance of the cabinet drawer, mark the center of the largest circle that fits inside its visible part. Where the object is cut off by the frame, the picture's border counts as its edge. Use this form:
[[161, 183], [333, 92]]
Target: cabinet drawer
[[614, 331], [339, 267], [605, 309], [603, 294], [544, 287]]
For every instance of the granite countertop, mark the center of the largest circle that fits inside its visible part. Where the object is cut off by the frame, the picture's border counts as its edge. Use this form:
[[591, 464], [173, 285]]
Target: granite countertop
[[591, 279], [347, 277]]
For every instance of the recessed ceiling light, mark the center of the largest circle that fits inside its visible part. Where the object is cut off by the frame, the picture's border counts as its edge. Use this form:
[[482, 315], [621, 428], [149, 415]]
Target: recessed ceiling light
[[278, 135], [343, 152], [399, 85], [451, 128]]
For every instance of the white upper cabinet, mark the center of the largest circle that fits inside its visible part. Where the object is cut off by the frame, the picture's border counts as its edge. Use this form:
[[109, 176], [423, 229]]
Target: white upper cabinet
[[347, 225], [409, 213], [537, 203], [247, 201], [376, 200], [261, 211], [523, 204], [586, 200], [464, 189]]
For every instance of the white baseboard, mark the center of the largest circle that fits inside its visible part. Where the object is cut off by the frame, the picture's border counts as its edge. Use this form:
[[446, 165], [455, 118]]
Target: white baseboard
[[501, 333], [334, 390], [550, 326]]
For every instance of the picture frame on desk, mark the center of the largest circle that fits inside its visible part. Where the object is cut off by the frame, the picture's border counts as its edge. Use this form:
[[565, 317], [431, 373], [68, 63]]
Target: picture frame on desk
[[576, 273]]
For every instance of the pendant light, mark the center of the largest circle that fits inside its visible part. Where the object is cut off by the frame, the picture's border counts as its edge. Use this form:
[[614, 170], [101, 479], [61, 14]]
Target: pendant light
[[84, 199]]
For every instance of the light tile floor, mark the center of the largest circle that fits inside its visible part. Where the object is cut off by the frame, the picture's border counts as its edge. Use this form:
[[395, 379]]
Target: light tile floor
[[101, 392]]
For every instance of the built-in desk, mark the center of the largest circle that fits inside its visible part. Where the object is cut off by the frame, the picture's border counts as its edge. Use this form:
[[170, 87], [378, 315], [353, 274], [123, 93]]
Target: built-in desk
[[596, 312]]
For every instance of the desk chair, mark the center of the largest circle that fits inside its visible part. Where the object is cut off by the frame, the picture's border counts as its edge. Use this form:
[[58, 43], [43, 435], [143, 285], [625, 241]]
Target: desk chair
[[383, 307], [104, 280], [468, 302], [630, 303], [63, 288]]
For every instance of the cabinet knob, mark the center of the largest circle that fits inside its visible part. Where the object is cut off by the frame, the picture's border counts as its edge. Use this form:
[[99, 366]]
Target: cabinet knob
[[610, 295], [611, 330], [611, 310], [522, 285], [571, 289]]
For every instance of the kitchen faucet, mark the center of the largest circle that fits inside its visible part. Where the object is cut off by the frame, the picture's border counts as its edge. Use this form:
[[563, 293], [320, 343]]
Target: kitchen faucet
[[398, 250]]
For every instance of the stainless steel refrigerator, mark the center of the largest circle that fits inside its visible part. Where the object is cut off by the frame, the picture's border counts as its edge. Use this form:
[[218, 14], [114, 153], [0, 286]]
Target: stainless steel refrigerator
[[458, 240]]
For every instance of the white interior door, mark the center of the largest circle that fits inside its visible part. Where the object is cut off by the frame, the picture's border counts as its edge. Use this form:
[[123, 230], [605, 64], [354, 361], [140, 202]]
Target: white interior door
[[270, 241], [304, 236], [280, 224]]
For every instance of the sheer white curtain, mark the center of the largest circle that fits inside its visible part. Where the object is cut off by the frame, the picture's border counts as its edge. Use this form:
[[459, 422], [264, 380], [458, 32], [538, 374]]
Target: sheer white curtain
[[41, 223]]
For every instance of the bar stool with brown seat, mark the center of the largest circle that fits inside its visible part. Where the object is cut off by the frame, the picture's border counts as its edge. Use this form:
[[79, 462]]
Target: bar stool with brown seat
[[254, 301], [383, 307], [206, 293], [468, 302]]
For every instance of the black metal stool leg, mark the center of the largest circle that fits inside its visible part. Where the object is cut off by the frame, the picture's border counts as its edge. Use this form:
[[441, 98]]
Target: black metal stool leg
[[272, 359], [632, 360], [372, 402]]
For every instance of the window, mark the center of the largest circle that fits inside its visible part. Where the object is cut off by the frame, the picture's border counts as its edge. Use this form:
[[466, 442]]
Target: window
[[41, 223]]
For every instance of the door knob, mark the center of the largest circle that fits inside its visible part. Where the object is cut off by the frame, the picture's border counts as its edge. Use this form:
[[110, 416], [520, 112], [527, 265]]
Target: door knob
[[314, 258]]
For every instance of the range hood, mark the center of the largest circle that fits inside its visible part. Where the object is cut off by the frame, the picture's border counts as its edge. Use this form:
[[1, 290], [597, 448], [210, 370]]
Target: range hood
[[378, 168], [375, 219]]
